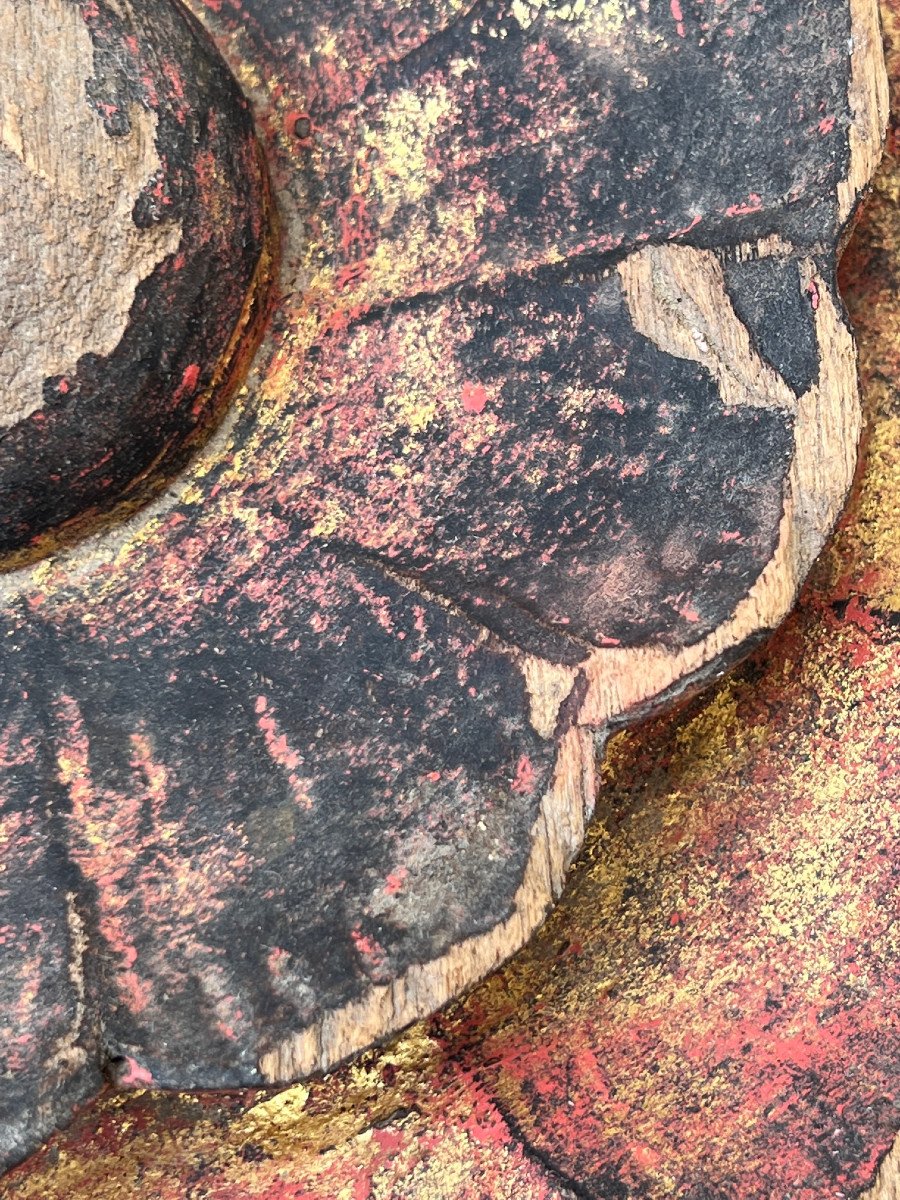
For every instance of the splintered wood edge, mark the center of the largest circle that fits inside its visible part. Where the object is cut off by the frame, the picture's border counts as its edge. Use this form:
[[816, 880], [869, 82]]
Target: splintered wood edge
[[556, 838], [869, 97], [827, 426]]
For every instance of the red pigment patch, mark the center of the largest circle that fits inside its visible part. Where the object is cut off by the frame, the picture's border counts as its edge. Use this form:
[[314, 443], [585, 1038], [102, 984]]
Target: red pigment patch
[[474, 397], [525, 776], [753, 204], [395, 881], [687, 228], [189, 379], [135, 1075], [369, 949], [860, 616]]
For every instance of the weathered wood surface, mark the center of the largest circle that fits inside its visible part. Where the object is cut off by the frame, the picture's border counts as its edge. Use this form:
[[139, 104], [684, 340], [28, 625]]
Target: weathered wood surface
[[133, 228], [712, 1008], [555, 408]]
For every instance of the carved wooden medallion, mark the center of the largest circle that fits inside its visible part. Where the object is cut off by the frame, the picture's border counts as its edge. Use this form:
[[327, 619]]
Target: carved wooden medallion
[[554, 407], [133, 232]]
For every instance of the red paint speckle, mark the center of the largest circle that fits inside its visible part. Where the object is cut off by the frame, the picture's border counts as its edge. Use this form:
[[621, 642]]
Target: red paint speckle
[[687, 228], [474, 397], [395, 881], [677, 16], [753, 204], [190, 377], [826, 125], [188, 385], [525, 777], [135, 1075], [860, 616], [369, 949], [813, 293]]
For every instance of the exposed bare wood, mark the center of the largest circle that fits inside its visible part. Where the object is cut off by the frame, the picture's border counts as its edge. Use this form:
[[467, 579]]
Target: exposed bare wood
[[71, 255]]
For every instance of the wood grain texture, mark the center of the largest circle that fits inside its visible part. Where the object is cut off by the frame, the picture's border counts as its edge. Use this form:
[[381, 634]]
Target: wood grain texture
[[887, 1181], [72, 255], [133, 256], [525, 452]]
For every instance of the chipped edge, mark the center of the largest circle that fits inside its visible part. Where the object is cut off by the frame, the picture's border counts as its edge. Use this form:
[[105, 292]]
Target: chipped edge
[[827, 429]]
